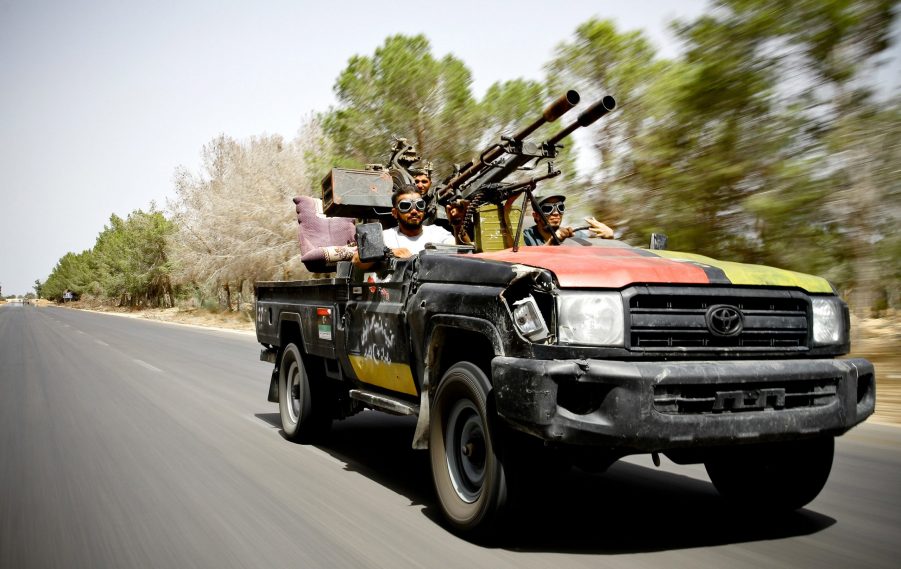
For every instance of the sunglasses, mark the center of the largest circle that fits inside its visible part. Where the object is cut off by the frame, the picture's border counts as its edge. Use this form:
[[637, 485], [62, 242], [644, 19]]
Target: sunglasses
[[550, 208], [404, 206]]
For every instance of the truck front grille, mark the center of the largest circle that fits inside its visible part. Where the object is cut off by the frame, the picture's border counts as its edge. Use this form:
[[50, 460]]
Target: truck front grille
[[737, 398], [666, 320]]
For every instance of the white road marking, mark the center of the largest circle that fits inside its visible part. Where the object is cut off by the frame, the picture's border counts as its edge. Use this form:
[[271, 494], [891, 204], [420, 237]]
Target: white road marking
[[147, 365], [101, 342]]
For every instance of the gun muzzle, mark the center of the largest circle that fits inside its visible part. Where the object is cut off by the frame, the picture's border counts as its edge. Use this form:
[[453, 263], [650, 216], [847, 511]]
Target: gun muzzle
[[553, 112], [591, 114]]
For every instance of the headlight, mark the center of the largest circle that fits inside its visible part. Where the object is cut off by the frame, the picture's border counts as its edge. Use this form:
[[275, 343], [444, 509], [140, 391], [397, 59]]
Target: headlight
[[528, 319], [829, 326], [590, 318]]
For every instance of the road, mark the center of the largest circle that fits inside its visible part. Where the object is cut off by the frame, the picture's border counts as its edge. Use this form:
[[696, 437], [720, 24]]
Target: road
[[129, 443]]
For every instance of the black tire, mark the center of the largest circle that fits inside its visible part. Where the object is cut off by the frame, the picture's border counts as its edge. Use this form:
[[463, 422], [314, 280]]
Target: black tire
[[466, 468], [302, 421], [773, 477]]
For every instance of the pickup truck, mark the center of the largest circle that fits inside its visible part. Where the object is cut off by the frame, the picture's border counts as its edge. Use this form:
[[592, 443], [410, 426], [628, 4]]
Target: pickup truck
[[521, 362], [515, 363]]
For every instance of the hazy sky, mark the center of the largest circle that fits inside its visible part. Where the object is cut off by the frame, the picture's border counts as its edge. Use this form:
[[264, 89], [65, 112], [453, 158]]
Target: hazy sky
[[100, 101]]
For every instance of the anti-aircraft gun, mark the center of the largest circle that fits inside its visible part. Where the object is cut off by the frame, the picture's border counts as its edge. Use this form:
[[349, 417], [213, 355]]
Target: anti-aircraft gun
[[482, 182]]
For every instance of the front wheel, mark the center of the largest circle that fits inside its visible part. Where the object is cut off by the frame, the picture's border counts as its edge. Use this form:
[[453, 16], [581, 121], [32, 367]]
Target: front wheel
[[302, 421], [466, 469], [779, 476]]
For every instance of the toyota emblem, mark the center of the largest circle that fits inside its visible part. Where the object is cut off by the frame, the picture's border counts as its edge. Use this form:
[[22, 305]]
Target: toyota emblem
[[724, 320]]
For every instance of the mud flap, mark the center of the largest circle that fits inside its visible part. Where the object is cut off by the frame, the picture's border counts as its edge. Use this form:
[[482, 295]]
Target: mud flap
[[273, 386]]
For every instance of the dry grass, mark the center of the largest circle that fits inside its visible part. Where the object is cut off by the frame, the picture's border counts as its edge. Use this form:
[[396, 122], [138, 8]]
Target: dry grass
[[196, 316], [879, 340], [200, 317]]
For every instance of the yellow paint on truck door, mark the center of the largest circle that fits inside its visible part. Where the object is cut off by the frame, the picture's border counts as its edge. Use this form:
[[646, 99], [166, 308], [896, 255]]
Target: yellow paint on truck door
[[390, 375]]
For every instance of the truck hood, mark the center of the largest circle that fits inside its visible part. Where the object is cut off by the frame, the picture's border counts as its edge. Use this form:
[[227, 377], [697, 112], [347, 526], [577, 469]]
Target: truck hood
[[618, 267]]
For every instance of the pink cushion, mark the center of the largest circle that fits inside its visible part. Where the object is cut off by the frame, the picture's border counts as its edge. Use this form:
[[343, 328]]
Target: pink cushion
[[323, 240]]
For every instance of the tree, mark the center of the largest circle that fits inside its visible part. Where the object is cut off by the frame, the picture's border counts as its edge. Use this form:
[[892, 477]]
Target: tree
[[128, 263], [746, 159], [132, 260], [72, 272], [403, 90], [600, 60], [235, 221]]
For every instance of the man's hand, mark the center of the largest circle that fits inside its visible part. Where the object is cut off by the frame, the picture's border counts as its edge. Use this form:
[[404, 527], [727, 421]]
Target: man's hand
[[598, 229], [402, 253], [562, 233]]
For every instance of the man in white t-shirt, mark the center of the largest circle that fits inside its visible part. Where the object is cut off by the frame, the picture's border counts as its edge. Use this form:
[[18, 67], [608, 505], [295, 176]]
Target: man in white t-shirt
[[410, 235]]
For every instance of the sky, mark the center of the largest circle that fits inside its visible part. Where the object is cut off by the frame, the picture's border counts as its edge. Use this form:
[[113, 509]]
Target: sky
[[101, 101]]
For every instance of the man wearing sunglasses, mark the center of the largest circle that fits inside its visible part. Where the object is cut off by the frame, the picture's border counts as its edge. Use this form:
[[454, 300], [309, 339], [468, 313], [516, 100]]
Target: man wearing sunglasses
[[410, 235], [553, 208]]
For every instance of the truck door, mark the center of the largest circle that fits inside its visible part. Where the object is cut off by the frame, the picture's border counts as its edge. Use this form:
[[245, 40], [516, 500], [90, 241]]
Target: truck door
[[376, 339]]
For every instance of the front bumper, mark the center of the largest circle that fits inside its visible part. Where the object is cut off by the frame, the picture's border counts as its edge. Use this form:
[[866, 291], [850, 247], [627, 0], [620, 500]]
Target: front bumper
[[658, 406]]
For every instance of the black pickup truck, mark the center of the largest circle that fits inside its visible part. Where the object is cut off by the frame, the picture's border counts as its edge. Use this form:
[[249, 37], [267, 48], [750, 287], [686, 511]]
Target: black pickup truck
[[517, 361]]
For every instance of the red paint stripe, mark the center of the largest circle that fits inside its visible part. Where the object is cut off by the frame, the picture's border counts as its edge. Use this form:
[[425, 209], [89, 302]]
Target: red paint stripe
[[602, 267]]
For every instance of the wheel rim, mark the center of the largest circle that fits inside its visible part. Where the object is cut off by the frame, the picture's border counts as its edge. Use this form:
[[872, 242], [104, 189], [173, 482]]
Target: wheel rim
[[294, 392], [466, 451]]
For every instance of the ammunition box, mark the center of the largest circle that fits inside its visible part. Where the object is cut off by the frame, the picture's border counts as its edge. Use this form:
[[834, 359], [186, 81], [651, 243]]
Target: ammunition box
[[356, 193], [495, 228]]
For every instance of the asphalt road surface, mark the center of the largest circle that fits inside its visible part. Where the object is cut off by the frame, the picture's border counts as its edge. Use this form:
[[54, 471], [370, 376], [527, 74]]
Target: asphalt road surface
[[128, 443]]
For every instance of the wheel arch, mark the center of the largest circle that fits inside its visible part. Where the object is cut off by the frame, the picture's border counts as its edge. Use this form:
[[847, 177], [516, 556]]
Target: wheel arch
[[289, 332], [453, 339]]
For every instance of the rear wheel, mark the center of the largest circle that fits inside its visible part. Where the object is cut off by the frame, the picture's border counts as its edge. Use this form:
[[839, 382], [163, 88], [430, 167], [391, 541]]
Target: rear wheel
[[779, 476], [303, 404], [466, 469]]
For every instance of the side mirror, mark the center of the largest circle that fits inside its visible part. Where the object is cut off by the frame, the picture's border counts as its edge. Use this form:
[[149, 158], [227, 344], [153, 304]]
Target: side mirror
[[370, 244], [658, 241]]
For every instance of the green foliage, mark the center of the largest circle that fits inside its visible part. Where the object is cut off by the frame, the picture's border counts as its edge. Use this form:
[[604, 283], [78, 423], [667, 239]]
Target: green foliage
[[601, 60], [129, 263], [73, 272], [403, 90], [767, 147]]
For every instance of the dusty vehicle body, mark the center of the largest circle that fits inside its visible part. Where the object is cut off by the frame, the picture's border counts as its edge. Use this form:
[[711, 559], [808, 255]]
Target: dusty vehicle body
[[515, 361]]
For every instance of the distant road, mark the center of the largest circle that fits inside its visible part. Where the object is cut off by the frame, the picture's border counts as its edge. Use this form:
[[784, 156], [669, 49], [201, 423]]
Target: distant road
[[129, 443]]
